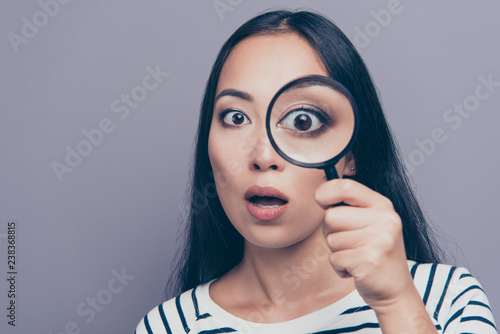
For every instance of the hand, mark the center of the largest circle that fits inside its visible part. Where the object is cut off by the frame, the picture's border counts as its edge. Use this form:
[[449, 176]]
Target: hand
[[366, 241]]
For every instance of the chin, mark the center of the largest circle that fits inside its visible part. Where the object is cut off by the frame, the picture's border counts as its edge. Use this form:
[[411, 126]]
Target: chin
[[276, 236]]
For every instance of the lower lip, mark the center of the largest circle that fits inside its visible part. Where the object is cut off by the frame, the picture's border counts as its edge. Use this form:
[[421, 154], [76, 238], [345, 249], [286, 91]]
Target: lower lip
[[263, 213]]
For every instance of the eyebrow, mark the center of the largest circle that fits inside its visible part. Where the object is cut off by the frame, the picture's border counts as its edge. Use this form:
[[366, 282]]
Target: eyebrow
[[235, 93]]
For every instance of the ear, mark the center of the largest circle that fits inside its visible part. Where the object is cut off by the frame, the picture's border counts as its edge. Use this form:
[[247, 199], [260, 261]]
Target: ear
[[350, 164]]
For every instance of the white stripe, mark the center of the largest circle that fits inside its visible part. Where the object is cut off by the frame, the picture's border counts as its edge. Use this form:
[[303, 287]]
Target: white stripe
[[318, 321]]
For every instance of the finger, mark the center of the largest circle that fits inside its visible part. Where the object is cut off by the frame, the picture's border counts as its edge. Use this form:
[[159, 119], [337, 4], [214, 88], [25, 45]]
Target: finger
[[348, 218], [349, 192], [346, 240], [342, 262]]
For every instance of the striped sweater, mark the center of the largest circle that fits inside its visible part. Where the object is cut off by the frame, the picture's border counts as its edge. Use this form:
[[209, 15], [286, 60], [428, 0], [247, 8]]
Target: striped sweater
[[453, 298]]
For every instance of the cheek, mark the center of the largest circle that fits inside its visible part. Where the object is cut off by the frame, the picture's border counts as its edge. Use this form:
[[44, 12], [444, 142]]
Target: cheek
[[227, 167], [226, 163], [229, 151], [217, 162], [306, 182]]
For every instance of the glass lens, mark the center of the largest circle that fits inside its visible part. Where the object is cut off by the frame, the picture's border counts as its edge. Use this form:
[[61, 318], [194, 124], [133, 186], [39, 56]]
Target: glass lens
[[312, 121]]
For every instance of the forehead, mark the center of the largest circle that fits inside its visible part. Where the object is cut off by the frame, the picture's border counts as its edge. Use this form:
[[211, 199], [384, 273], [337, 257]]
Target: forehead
[[262, 64]]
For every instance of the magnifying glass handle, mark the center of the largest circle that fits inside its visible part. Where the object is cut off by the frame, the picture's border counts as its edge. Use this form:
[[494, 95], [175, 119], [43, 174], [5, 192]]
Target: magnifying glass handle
[[331, 172]]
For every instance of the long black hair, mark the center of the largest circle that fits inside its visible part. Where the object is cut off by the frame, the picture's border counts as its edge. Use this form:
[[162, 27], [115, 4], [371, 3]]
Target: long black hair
[[212, 246]]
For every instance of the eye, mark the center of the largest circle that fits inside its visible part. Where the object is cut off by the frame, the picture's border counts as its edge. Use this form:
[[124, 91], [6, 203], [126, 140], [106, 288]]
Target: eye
[[234, 118], [304, 121]]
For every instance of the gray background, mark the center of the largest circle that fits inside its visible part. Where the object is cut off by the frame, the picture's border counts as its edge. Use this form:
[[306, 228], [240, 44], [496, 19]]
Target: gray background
[[120, 207]]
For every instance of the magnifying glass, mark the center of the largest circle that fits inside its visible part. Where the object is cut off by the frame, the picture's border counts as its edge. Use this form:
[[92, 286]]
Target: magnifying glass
[[312, 122]]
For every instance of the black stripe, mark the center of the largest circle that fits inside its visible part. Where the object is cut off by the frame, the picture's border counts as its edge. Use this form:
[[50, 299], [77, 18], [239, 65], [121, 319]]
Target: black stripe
[[218, 330], [350, 329], [414, 270], [468, 289], [473, 302], [356, 309], [164, 319], [196, 309], [486, 321], [465, 275], [181, 314], [429, 283], [438, 307], [453, 317], [146, 323]]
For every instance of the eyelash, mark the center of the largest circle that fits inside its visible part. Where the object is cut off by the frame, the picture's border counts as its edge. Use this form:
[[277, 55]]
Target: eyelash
[[316, 112], [323, 118], [224, 113]]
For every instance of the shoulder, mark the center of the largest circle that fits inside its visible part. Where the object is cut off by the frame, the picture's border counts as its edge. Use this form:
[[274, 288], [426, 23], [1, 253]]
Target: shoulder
[[453, 297], [176, 315]]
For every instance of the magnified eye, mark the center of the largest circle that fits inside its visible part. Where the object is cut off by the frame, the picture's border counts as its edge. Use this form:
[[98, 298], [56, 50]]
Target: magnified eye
[[234, 117], [303, 121]]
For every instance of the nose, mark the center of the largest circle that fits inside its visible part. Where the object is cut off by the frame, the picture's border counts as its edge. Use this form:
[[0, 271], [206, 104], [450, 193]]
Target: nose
[[263, 156]]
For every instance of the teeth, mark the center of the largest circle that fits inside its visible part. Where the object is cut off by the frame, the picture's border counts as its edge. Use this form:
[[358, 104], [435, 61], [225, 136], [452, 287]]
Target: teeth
[[267, 206]]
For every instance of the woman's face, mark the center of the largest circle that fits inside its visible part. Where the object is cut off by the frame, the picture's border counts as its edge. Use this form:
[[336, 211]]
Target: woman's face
[[268, 200]]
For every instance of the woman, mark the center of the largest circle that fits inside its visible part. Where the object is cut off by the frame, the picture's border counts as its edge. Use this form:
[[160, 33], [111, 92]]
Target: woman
[[267, 248]]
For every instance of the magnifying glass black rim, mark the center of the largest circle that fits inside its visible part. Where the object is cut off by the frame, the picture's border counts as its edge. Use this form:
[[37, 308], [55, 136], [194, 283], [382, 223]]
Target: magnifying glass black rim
[[338, 86]]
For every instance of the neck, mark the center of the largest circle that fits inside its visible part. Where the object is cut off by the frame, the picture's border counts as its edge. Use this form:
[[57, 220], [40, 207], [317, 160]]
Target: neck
[[291, 273]]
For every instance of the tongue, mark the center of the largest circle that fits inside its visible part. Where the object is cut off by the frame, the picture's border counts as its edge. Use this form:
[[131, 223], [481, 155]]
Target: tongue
[[267, 201]]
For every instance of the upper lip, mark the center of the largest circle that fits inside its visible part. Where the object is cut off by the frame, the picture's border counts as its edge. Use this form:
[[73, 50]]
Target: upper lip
[[264, 192]]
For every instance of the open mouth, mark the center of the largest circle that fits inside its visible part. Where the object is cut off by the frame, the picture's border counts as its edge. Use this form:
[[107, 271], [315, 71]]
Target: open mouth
[[267, 202]]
